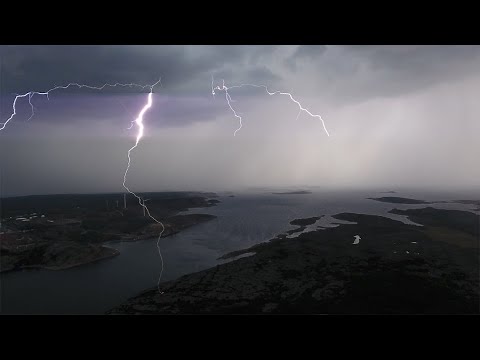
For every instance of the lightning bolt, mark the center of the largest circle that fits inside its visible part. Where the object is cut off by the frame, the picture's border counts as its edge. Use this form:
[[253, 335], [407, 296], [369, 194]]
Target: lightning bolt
[[31, 94], [229, 101], [138, 122]]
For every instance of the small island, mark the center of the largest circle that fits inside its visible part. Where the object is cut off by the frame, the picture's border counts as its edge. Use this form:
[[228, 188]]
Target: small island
[[298, 192], [399, 200], [306, 221]]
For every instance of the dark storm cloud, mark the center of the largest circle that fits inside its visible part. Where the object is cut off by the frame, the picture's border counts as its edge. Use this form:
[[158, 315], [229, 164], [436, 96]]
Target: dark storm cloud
[[419, 126], [364, 71], [346, 73], [255, 75], [185, 72], [262, 75], [84, 111], [41, 67], [310, 50], [414, 57], [342, 74], [304, 51]]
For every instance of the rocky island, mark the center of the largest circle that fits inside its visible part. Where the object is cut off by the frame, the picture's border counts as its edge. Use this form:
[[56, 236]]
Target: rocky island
[[298, 192], [399, 200]]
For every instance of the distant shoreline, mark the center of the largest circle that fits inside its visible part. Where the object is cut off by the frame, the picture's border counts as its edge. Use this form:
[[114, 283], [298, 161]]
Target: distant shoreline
[[298, 192]]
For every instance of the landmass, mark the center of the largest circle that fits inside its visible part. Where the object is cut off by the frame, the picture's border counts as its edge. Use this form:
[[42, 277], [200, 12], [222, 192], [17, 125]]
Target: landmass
[[306, 221], [399, 200], [52, 256], [299, 192], [61, 231], [397, 268], [469, 202], [302, 225], [454, 226]]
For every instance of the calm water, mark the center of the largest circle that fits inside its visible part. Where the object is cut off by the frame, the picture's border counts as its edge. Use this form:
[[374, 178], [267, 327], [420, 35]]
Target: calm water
[[243, 220]]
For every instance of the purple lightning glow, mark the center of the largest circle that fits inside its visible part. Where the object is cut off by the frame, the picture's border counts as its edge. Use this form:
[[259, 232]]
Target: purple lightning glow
[[229, 101], [138, 122], [31, 94]]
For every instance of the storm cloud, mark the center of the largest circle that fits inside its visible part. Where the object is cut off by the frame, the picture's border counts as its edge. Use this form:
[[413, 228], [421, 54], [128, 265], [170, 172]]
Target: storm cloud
[[397, 115]]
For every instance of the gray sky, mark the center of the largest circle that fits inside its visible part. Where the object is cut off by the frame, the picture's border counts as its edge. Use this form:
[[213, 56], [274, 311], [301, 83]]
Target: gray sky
[[398, 116]]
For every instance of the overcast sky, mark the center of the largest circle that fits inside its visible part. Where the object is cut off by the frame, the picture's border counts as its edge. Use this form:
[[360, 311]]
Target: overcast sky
[[398, 116]]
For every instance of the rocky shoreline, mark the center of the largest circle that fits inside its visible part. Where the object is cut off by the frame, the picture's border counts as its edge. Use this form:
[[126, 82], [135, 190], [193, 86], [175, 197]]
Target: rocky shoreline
[[395, 268], [172, 226], [97, 253], [401, 200], [37, 242]]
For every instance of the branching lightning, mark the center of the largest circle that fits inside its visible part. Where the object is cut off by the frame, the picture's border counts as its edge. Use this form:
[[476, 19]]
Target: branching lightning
[[236, 114], [31, 94], [138, 122]]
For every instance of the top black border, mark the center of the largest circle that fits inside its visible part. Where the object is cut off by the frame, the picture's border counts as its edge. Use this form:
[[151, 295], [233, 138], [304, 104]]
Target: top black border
[[186, 23]]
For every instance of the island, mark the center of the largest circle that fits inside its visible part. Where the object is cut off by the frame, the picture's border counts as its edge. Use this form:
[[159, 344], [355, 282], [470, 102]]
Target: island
[[469, 202], [399, 200], [397, 268], [57, 232], [305, 221], [298, 192], [302, 225]]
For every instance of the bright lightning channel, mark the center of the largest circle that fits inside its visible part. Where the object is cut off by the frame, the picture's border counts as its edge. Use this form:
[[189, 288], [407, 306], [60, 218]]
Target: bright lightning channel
[[31, 94], [229, 101], [138, 122]]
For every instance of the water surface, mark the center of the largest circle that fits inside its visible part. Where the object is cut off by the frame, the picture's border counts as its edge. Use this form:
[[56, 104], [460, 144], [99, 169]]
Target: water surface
[[243, 221]]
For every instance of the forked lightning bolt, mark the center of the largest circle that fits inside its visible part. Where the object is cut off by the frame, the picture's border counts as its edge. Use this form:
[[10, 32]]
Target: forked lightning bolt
[[31, 94], [229, 101], [138, 122]]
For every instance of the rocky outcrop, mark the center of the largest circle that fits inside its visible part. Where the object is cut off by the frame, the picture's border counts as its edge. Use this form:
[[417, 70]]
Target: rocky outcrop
[[396, 268], [57, 256]]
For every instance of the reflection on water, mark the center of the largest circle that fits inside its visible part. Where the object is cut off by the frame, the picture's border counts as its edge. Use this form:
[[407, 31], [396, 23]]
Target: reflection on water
[[243, 221]]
